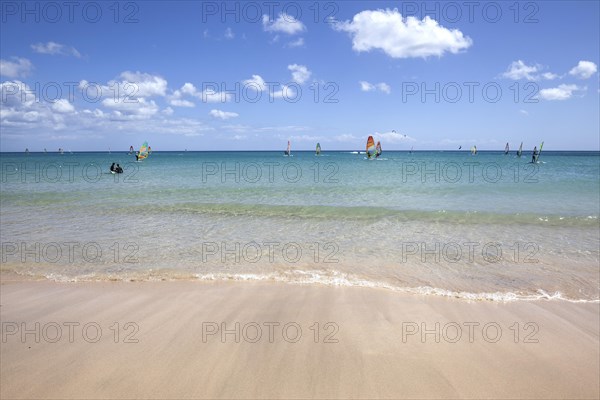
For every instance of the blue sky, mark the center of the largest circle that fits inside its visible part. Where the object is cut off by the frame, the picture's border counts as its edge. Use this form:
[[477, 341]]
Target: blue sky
[[434, 75]]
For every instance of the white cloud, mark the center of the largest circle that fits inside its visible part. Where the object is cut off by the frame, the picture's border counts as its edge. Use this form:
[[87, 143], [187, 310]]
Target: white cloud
[[209, 95], [63, 106], [524, 112], [20, 67], [139, 108], [229, 34], [55, 48], [562, 92], [584, 70], [402, 37], [224, 115], [300, 73], [256, 82], [181, 103], [22, 114], [518, 70], [146, 85], [369, 87], [283, 23], [285, 92], [296, 43], [384, 87]]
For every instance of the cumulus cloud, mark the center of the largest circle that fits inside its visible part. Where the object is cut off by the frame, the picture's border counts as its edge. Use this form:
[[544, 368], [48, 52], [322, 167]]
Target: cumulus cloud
[[53, 48], [224, 115], [146, 85], [207, 96], [181, 103], [584, 69], [256, 82], [562, 92], [18, 68], [63, 106], [518, 70], [300, 73], [401, 37], [369, 87], [284, 23], [140, 108], [22, 114]]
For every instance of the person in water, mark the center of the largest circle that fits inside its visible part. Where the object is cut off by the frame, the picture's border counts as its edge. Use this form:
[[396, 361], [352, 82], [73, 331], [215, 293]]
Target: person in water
[[534, 155], [113, 168], [119, 170]]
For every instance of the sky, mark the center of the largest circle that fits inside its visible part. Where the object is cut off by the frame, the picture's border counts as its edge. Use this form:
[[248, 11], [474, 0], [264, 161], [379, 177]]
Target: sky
[[214, 75]]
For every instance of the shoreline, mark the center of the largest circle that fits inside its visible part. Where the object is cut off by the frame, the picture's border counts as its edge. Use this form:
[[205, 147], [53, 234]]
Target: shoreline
[[353, 342], [10, 276]]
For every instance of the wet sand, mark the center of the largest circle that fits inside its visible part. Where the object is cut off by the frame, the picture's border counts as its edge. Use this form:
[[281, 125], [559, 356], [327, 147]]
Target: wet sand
[[164, 340]]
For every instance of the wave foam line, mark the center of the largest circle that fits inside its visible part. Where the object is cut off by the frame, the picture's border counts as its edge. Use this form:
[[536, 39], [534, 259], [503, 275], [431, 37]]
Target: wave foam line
[[340, 279]]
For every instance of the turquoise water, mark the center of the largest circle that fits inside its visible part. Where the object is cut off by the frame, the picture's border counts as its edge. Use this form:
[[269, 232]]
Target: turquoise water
[[487, 226]]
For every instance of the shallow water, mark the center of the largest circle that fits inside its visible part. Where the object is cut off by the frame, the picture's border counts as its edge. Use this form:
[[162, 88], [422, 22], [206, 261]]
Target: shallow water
[[488, 226]]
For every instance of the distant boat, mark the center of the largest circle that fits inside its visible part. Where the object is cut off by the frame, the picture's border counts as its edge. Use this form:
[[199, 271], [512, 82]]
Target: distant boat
[[143, 153], [371, 149], [61, 151], [378, 149], [520, 151], [318, 150], [473, 150], [506, 149], [288, 151]]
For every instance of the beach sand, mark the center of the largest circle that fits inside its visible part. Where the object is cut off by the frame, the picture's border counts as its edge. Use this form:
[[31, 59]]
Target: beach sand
[[368, 356]]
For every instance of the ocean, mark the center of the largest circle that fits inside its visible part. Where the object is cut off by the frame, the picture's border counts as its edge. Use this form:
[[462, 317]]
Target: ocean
[[484, 227]]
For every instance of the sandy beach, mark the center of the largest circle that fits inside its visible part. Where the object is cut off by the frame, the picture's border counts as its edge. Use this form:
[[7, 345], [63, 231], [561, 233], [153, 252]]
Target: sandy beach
[[165, 340]]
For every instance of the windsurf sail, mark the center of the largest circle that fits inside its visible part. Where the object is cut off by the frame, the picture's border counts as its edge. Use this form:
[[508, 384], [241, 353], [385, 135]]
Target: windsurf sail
[[474, 150], [371, 147], [143, 153], [506, 149], [318, 151], [288, 151], [378, 149], [537, 157], [520, 151]]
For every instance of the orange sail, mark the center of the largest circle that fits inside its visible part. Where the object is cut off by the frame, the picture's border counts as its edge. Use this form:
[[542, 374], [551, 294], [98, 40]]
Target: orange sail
[[370, 147]]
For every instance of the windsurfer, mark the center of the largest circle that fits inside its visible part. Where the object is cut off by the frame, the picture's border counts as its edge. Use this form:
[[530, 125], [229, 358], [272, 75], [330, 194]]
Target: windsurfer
[[534, 155], [113, 168]]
